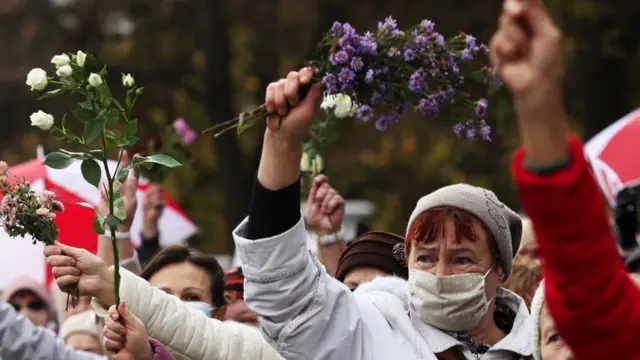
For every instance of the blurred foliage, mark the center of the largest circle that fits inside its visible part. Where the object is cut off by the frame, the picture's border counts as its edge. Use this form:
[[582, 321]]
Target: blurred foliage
[[206, 60]]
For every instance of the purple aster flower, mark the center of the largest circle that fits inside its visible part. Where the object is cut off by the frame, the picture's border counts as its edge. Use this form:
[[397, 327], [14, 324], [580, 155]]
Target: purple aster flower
[[330, 82], [439, 97], [467, 55], [376, 98], [409, 55], [458, 129], [428, 108], [367, 46], [365, 113], [393, 52], [428, 26], [388, 25], [348, 29], [470, 41], [485, 131], [341, 57], [481, 108], [382, 87], [357, 64], [439, 39], [336, 29], [471, 131], [369, 78], [420, 41], [346, 76], [453, 65], [416, 81], [398, 34], [382, 123]]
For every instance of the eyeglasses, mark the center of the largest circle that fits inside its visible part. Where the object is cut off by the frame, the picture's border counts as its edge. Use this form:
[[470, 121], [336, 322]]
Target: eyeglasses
[[35, 305]]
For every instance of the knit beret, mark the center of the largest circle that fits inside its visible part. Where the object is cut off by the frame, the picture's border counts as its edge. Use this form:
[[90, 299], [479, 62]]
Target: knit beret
[[503, 223], [374, 249]]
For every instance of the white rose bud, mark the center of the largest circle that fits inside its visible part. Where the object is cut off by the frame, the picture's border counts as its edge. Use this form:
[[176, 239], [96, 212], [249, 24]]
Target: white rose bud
[[81, 58], [64, 71], [95, 80], [127, 81], [42, 120], [314, 166], [60, 60], [37, 79]]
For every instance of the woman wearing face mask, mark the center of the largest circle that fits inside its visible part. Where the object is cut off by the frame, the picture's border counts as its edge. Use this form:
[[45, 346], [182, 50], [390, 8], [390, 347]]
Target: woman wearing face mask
[[460, 243], [193, 277], [195, 303]]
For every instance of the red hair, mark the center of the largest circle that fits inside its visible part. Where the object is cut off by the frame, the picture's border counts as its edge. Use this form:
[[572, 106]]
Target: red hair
[[430, 225]]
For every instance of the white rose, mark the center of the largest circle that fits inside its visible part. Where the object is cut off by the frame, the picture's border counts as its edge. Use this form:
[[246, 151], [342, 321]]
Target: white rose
[[37, 79], [42, 120], [81, 58], [328, 102], [61, 60], [344, 107], [127, 80], [64, 71], [95, 80]]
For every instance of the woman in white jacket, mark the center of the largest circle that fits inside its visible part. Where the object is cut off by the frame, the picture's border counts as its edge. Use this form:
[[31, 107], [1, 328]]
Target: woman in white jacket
[[183, 329]]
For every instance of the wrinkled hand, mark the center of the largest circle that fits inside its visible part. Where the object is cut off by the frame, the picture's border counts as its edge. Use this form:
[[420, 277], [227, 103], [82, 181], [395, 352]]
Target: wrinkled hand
[[292, 115], [125, 336], [78, 267], [526, 51], [325, 208], [152, 207], [128, 193]]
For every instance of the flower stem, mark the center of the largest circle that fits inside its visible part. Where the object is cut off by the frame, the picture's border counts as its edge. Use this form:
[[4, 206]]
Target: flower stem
[[114, 240]]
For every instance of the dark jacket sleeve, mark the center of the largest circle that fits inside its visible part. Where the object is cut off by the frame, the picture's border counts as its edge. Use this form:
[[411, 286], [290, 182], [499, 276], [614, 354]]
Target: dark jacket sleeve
[[273, 212], [148, 248]]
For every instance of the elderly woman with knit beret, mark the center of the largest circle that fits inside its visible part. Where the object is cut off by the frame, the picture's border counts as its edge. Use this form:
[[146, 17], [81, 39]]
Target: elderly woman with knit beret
[[459, 246]]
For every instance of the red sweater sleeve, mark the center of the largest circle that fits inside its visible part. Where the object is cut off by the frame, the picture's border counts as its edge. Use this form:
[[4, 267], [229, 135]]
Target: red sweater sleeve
[[595, 304]]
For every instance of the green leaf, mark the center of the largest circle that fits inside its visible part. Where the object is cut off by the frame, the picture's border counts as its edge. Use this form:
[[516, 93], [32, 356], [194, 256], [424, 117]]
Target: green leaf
[[112, 116], [138, 160], [58, 160], [97, 154], [112, 221], [84, 115], [132, 141], [162, 159], [91, 172], [91, 65], [104, 94], [86, 105], [118, 209], [123, 174], [118, 105], [98, 223], [92, 129], [75, 155], [52, 93], [131, 128]]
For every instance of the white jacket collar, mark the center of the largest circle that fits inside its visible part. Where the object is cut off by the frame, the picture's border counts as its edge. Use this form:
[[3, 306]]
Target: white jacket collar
[[517, 341]]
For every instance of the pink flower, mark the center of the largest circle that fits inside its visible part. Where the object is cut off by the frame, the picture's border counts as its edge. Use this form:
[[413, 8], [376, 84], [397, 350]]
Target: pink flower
[[43, 211], [187, 135], [47, 197], [3, 168]]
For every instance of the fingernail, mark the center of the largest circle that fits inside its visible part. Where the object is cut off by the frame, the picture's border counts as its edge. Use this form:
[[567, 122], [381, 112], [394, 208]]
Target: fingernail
[[304, 78], [512, 7]]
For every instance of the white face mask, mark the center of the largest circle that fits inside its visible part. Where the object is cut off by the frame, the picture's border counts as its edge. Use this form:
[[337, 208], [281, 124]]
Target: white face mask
[[449, 303], [200, 306]]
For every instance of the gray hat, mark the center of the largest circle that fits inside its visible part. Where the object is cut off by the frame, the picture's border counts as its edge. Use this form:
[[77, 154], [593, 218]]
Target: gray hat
[[502, 222]]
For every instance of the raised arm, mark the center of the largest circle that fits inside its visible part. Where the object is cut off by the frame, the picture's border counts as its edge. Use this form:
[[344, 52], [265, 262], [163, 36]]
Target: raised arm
[[301, 309], [21, 340], [592, 300], [323, 200]]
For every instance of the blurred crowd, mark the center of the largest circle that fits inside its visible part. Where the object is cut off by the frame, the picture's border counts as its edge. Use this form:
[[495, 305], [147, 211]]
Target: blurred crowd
[[470, 278]]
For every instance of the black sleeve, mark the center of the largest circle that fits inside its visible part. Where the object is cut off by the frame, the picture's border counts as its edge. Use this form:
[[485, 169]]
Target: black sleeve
[[148, 248], [273, 212]]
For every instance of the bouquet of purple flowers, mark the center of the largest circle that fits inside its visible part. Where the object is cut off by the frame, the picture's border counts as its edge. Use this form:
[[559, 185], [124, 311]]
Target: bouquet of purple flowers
[[378, 76]]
